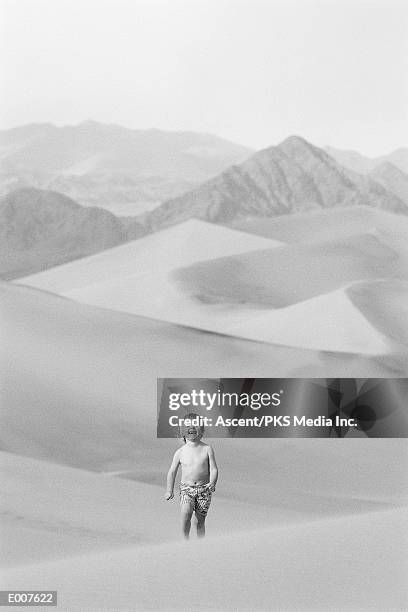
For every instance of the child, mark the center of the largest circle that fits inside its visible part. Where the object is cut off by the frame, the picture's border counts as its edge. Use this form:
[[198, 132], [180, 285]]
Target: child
[[199, 474]]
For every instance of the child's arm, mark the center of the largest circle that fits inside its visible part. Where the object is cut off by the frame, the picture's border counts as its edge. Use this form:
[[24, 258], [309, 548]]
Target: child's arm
[[213, 469], [171, 476]]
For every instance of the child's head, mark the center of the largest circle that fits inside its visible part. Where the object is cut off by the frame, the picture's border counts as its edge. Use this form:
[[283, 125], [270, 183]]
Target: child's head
[[191, 430]]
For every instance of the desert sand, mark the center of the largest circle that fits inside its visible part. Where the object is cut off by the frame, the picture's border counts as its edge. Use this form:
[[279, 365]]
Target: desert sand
[[296, 524], [279, 277], [326, 224], [166, 250], [78, 403], [60, 357], [78, 406], [349, 563], [384, 303], [219, 280]]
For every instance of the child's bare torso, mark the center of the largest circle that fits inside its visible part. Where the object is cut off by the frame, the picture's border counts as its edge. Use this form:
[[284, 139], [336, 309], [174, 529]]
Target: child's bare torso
[[194, 462]]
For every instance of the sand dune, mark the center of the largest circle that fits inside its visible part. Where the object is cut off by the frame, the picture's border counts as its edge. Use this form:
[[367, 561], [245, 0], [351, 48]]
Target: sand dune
[[333, 323], [78, 390], [328, 322], [336, 564], [320, 225], [163, 251], [66, 364], [79, 383], [385, 304], [66, 512], [282, 276], [233, 291]]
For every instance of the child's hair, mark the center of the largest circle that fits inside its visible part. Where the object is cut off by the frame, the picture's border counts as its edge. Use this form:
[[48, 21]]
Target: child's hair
[[200, 428]]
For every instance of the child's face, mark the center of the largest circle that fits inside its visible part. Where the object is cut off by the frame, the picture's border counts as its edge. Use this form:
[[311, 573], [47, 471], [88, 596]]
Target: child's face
[[193, 433]]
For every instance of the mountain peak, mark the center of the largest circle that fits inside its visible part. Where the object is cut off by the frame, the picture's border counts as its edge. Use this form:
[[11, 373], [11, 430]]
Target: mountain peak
[[293, 177], [295, 140], [291, 146], [296, 144]]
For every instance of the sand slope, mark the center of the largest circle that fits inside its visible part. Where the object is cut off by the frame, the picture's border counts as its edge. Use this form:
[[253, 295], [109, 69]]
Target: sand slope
[[229, 281], [163, 251], [282, 276], [337, 564], [66, 512], [385, 304], [64, 363], [78, 390], [79, 383], [320, 225], [328, 322]]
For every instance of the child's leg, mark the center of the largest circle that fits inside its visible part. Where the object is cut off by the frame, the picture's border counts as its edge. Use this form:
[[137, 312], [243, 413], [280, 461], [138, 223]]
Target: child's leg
[[201, 509], [186, 514], [200, 524]]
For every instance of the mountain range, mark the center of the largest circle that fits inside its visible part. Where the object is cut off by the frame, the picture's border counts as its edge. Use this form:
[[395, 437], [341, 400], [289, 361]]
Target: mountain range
[[391, 171], [294, 176], [392, 178], [124, 170], [363, 164], [42, 228]]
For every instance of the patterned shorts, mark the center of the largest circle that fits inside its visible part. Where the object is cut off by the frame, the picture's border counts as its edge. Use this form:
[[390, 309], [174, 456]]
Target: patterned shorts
[[198, 496]]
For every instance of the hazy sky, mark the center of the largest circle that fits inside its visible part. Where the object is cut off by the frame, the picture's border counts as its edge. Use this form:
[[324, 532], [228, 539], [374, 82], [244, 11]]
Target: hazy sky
[[253, 71]]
